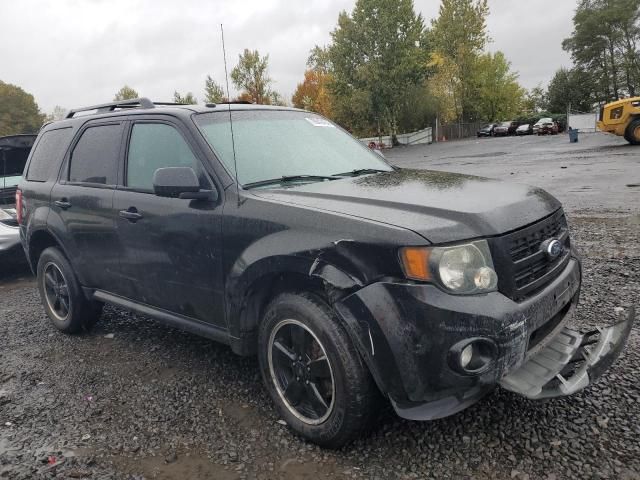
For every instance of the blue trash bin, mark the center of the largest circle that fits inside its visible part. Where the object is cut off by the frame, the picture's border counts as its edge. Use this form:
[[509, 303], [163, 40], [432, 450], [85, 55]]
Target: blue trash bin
[[573, 135]]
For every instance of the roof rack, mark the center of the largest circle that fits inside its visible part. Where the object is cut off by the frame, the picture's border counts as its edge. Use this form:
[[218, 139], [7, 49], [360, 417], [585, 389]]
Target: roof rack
[[142, 102]]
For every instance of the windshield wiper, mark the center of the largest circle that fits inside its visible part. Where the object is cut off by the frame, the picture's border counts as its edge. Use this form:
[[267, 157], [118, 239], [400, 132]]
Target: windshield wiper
[[360, 171], [289, 178]]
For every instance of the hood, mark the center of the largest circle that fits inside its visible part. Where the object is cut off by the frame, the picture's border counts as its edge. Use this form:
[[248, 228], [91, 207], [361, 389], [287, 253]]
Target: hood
[[440, 206]]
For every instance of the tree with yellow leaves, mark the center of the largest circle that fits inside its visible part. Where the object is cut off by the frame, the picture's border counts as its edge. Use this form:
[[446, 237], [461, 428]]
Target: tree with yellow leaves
[[313, 93]]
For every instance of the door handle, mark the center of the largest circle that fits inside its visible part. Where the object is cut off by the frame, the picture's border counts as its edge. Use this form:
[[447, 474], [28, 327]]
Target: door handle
[[131, 214], [63, 204]]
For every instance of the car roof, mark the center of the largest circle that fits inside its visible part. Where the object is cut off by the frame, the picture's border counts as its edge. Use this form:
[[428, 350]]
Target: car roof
[[144, 106]]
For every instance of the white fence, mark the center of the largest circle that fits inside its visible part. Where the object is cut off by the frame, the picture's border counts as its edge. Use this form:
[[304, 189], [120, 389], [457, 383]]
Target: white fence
[[414, 138], [585, 122]]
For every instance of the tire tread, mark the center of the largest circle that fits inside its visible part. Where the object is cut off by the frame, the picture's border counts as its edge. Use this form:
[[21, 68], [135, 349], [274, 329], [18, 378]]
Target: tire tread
[[363, 395]]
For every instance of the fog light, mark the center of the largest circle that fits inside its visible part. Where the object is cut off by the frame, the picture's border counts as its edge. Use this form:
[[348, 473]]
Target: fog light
[[466, 355], [472, 356]]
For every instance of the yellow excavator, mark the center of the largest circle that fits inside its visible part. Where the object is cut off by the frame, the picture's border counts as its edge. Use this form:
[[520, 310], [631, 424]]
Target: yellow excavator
[[622, 118]]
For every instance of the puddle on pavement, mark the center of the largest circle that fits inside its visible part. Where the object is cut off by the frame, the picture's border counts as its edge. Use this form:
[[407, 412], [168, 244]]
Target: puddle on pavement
[[243, 414], [192, 467], [199, 467]]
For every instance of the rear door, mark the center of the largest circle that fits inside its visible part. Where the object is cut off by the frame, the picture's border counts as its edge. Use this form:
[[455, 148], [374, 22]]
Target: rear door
[[82, 213], [172, 251]]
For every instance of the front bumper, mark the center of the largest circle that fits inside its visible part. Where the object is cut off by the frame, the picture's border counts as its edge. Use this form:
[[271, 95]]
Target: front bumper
[[570, 362], [406, 333]]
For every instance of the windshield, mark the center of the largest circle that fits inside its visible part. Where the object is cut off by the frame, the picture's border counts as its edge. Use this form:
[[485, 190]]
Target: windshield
[[523, 127], [271, 144], [544, 120], [506, 124]]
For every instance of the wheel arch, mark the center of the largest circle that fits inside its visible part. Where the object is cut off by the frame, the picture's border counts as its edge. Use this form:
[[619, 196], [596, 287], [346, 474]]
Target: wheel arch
[[249, 294], [39, 241]]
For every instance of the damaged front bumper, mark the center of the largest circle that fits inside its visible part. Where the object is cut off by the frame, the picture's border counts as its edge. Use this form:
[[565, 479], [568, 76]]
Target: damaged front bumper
[[411, 335], [569, 362]]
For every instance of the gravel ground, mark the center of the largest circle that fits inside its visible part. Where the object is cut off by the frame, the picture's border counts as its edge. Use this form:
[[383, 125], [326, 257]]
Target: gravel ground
[[133, 399]]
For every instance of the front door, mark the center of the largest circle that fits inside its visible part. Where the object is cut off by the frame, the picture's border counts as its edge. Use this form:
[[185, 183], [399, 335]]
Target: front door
[[171, 246]]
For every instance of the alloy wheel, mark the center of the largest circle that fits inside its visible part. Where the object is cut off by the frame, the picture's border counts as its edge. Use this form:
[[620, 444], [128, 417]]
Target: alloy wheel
[[301, 371], [56, 292]]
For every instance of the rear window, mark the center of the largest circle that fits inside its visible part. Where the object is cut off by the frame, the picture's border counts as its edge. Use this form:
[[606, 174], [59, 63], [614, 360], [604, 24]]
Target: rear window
[[95, 156], [48, 154]]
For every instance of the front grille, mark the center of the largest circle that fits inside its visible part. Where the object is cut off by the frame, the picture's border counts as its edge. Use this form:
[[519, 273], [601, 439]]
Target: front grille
[[528, 243], [523, 267]]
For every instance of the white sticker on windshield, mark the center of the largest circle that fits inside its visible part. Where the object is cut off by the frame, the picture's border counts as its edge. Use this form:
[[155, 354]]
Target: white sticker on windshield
[[319, 122]]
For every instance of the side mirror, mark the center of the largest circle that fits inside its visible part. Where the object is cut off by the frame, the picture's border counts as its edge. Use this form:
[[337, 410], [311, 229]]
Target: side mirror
[[180, 182]]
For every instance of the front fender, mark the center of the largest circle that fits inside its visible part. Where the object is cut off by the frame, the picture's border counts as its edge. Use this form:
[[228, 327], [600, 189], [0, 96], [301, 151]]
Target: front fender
[[341, 267]]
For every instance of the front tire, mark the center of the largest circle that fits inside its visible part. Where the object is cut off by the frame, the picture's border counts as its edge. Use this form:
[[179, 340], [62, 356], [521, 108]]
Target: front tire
[[316, 378], [61, 294], [632, 132]]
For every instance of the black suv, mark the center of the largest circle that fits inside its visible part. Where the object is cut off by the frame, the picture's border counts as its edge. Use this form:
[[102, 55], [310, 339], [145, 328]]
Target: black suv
[[272, 230]]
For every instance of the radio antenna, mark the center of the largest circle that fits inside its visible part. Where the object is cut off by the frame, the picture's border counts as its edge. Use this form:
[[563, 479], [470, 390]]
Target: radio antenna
[[233, 143]]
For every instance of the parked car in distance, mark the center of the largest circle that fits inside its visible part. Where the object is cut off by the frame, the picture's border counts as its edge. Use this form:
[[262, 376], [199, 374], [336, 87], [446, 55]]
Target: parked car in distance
[[487, 130], [539, 123], [349, 278], [524, 129], [548, 128], [505, 128], [14, 151]]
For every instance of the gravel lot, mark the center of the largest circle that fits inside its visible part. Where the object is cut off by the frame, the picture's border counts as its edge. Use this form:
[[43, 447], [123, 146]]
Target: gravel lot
[[134, 399]]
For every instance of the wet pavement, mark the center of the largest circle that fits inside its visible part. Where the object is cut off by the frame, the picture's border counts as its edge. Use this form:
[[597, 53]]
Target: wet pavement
[[599, 172], [133, 399]]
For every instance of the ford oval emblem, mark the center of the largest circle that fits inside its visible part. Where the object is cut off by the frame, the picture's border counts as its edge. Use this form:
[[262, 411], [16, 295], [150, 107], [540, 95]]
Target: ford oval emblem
[[553, 248]]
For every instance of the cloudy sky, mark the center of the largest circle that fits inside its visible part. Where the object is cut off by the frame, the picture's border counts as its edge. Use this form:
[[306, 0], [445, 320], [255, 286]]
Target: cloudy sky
[[79, 52]]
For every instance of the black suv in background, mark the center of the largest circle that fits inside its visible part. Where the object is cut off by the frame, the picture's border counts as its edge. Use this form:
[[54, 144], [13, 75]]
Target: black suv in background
[[14, 151], [285, 237]]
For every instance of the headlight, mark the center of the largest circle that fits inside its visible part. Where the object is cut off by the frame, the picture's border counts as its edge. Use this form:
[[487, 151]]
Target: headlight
[[461, 269]]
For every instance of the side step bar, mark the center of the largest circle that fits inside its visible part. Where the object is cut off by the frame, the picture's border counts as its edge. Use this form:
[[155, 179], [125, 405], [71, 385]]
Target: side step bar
[[191, 325], [570, 362]]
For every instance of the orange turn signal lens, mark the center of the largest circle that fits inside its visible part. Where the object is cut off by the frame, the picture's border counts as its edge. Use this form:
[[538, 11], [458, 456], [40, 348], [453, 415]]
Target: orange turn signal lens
[[415, 262]]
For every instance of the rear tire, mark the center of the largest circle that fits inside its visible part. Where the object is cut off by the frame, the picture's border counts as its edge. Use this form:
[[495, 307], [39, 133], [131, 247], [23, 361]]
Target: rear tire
[[61, 294], [632, 132], [296, 333]]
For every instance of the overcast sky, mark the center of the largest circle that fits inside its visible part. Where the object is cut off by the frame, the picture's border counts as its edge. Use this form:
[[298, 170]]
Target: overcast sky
[[79, 52]]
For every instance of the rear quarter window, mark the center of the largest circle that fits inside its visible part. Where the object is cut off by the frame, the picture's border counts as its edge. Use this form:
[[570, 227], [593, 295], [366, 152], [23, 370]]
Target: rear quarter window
[[48, 153]]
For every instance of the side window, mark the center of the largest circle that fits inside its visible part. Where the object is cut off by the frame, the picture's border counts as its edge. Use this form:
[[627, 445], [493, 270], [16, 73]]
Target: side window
[[95, 156], [154, 146], [48, 154]]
